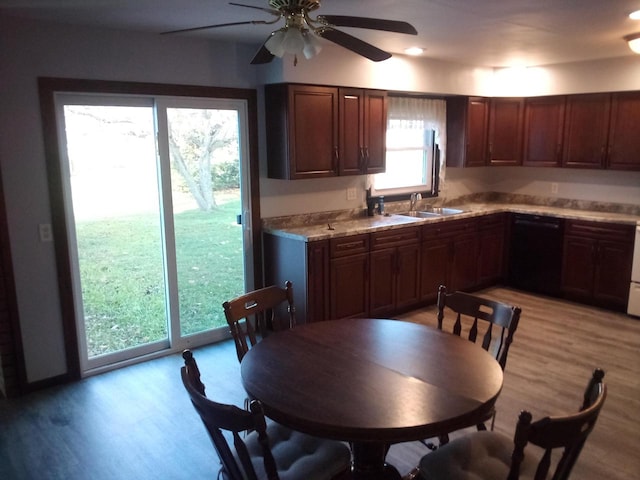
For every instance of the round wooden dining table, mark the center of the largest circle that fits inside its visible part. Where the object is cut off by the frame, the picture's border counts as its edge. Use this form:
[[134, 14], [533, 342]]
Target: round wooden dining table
[[371, 382]]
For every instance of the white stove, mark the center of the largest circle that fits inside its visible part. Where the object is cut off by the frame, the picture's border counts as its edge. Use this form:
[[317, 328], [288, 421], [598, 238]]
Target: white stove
[[633, 307]]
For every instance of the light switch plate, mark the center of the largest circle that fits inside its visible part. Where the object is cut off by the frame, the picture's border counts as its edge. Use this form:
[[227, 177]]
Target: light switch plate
[[352, 193]]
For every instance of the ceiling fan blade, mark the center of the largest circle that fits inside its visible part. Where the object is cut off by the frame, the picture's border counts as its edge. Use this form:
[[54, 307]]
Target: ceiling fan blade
[[194, 29], [268, 10], [354, 44], [370, 23], [262, 56]]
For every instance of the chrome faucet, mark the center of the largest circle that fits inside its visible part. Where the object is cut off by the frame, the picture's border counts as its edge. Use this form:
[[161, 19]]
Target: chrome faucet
[[414, 200]]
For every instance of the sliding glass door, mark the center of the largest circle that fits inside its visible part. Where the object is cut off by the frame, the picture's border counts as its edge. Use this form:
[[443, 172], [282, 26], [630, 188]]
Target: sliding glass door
[[153, 196]]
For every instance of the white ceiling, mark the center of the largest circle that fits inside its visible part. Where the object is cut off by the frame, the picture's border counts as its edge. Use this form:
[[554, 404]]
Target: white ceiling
[[491, 33]]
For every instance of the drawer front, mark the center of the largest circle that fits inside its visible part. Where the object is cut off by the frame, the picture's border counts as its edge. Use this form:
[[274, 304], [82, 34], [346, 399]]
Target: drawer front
[[491, 221], [350, 245], [600, 230], [449, 228], [396, 237]]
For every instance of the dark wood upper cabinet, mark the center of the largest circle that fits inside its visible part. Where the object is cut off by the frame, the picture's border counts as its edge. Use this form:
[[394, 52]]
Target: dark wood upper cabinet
[[586, 130], [505, 131], [362, 131], [302, 131], [467, 126], [316, 131], [624, 132], [543, 131]]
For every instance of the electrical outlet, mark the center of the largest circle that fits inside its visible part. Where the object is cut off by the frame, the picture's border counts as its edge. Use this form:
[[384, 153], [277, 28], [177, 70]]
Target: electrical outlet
[[554, 188], [45, 232], [352, 193]]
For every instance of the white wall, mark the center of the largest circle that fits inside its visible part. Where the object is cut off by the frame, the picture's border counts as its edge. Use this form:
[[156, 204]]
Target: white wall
[[29, 49]]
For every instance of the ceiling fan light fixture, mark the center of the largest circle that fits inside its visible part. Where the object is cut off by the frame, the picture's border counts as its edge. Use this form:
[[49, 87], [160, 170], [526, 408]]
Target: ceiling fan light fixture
[[275, 43], [293, 41], [633, 40], [635, 15], [312, 45]]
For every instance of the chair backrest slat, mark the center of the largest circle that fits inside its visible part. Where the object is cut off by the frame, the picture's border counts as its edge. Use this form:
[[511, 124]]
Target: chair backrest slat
[[253, 315], [485, 311]]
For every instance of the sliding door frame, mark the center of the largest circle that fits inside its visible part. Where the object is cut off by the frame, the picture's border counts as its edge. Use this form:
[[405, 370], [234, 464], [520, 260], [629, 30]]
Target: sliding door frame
[[48, 88]]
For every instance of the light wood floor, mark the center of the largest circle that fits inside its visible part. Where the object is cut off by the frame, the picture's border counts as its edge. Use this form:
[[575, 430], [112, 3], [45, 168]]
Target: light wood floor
[[137, 422], [555, 349]]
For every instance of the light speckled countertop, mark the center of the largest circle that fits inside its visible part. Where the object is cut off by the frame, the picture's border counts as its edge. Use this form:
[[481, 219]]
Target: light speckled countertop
[[352, 226]]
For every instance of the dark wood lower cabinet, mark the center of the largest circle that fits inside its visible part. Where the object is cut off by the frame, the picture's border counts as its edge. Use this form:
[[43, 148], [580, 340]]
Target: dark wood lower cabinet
[[491, 249], [306, 265], [349, 276], [395, 271], [318, 278], [597, 263], [390, 271], [449, 256]]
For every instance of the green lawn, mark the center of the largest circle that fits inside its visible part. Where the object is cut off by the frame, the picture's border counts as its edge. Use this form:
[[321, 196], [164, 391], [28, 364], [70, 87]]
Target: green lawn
[[123, 281]]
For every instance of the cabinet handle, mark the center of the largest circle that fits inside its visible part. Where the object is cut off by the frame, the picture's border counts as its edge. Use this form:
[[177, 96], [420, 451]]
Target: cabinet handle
[[361, 163], [366, 158], [350, 245], [336, 158]]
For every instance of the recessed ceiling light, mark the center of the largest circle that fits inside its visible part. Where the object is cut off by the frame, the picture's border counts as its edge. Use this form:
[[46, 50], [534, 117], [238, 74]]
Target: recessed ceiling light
[[414, 51], [635, 15]]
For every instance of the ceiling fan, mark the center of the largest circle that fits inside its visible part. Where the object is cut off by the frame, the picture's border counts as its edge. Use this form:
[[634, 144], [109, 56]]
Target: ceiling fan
[[300, 31]]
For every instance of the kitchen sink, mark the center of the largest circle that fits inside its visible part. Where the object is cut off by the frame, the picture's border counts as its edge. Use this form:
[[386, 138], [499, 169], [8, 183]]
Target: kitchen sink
[[432, 212]]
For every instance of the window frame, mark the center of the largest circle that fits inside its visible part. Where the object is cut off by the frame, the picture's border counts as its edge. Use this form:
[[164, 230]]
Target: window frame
[[404, 193]]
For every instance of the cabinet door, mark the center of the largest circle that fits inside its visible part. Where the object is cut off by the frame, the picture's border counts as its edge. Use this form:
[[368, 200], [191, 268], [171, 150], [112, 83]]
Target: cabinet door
[[613, 274], [382, 297], [586, 130], [578, 267], [505, 131], [317, 281], [351, 155], [302, 122], [624, 141], [543, 131], [408, 276], [350, 286], [467, 124], [477, 126], [491, 252], [375, 131], [464, 266], [435, 256]]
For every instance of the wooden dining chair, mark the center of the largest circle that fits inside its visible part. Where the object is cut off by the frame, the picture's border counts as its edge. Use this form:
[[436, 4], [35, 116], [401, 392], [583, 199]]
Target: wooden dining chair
[[490, 323], [485, 455], [253, 315], [270, 451]]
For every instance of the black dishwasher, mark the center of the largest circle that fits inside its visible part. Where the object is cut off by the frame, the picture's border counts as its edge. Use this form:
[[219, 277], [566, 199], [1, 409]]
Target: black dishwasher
[[535, 254]]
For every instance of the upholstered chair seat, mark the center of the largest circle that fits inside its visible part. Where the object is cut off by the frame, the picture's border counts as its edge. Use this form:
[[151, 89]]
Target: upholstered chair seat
[[479, 456], [298, 456]]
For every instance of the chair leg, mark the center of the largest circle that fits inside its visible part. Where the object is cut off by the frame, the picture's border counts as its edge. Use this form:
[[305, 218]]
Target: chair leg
[[412, 475]]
